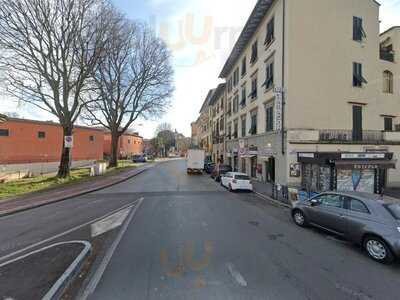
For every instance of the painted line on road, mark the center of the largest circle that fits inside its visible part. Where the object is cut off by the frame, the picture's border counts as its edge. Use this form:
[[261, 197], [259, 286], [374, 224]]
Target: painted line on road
[[236, 274], [68, 231], [94, 281], [109, 223]]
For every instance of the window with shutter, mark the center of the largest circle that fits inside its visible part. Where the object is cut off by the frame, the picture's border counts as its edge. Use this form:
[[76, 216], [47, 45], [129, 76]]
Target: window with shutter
[[358, 78], [253, 128], [253, 94], [243, 101], [254, 53], [270, 32], [244, 66], [269, 75], [358, 30]]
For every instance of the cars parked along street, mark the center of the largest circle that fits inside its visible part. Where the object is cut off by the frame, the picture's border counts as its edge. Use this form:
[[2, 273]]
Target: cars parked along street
[[139, 159], [369, 220], [220, 170], [236, 181]]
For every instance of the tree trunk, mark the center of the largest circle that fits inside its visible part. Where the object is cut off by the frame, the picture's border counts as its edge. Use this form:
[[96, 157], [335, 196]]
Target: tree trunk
[[64, 167], [114, 149]]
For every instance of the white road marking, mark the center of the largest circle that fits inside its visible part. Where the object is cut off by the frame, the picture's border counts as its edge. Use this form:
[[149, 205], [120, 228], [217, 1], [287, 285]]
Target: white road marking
[[236, 274], [66, 232], [94, 281], [109, 223]]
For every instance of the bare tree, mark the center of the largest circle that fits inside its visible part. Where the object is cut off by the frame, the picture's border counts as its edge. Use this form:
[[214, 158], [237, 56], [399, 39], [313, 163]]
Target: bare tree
[[48, 50], [3, 118], [134, 80], [163, 127]]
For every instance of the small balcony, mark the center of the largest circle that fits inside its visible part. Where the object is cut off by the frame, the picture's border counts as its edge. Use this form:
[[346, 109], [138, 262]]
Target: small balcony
[[372, 136]]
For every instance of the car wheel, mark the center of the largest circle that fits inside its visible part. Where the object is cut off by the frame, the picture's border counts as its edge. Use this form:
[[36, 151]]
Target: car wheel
[[378, 250], [299, 218]]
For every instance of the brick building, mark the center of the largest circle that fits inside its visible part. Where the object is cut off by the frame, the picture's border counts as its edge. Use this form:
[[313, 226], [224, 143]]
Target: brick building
[[129, 144], [28, 141]]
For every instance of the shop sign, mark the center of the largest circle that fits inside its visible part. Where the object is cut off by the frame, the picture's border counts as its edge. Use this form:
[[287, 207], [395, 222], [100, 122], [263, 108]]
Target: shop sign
[[365, 167], [307, 155], [253, 150], [278, 110], [362, 155]]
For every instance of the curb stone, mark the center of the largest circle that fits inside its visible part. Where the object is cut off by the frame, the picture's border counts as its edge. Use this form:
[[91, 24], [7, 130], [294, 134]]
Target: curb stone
[[69, 274], [265, 197], [21, 209]]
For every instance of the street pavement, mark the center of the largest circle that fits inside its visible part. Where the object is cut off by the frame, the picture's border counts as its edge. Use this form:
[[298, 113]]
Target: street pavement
[[192, 239]]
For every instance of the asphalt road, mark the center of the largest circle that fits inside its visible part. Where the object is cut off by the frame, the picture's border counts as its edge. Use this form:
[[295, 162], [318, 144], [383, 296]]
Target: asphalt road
[[191, 239]]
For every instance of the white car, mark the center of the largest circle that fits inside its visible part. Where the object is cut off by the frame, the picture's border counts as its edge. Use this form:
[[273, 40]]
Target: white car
[[236, 181]]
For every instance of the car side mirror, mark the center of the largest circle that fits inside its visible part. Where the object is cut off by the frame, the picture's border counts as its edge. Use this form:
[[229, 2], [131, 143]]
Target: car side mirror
[[314, 202]]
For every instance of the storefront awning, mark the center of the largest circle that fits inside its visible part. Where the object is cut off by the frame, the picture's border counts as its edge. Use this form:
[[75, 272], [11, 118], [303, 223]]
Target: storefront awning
[[366, 164]]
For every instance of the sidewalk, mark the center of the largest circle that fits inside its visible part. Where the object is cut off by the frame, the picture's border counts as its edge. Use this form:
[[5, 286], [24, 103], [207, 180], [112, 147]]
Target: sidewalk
[[264, 190], [41, 198]]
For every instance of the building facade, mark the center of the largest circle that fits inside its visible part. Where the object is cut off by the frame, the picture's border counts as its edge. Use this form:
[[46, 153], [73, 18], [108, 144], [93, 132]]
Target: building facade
[[217, 118], [28, 141], [129, 144], [205, 125], [313, 102], [194, 142]]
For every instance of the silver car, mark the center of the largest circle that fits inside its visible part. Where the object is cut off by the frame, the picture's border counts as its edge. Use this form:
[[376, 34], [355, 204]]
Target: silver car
[[369, 220]]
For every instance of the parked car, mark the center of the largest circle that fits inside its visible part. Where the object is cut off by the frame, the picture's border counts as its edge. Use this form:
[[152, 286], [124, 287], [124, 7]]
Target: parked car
[[220, 170], [138, 158], [209, 167], [235, 181], [369, 220]]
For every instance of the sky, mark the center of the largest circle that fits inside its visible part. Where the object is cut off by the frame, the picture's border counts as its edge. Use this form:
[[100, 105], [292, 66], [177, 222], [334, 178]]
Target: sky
[[200, 34]]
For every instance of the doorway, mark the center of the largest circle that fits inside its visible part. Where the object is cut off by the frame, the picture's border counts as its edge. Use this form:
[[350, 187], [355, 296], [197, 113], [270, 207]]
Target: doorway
[[270, 169], [357, 123]]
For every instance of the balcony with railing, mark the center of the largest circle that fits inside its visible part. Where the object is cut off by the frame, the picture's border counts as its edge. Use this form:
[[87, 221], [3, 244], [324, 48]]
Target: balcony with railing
[[350, 136]]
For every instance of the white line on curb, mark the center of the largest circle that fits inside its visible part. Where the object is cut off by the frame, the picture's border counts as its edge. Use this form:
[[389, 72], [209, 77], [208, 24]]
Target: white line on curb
[[94, 281], [66, 232]]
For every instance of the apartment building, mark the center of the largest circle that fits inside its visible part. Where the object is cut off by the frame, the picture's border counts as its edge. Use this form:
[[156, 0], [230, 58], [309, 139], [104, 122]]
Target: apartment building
[[217, 108], [205, 125], [194, 126], [312, 99]]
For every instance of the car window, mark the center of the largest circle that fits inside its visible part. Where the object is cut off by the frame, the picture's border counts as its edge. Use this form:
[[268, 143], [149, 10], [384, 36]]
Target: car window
[[394, 209], [242, 177], [331, 200], [358, 206]]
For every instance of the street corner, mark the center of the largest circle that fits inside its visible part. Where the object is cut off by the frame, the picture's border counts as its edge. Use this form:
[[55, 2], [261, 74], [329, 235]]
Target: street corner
[[43, 273]]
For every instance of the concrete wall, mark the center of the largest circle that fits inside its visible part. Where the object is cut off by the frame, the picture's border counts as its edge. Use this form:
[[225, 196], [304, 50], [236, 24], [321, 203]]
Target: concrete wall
[[38, 168]]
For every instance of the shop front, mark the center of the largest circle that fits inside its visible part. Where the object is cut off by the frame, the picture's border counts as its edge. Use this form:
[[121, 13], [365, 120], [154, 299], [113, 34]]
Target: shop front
[[345, 171]]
